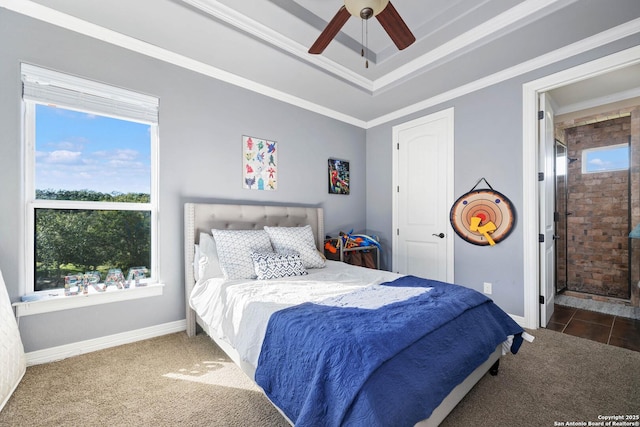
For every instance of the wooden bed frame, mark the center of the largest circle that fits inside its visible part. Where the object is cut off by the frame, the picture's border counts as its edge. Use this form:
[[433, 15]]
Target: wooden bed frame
[[202, 217]]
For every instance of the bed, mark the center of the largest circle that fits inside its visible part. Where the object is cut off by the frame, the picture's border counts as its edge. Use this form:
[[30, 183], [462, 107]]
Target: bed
[[431, 340]]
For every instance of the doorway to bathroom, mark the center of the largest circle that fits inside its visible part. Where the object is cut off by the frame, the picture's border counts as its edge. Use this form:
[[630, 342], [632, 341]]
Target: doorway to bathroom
[[610, 81], [597, 186]]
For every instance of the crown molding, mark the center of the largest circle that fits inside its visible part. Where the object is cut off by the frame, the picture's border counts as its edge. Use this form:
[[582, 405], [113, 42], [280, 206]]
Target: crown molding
[[54, 17], [597, 40], [516, 15], [603, 100], [274, 38], [51, 16]]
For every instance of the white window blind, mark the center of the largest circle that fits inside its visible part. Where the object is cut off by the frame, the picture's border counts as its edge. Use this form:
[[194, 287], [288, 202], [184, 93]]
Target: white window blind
[[50, 87], [43, 88]]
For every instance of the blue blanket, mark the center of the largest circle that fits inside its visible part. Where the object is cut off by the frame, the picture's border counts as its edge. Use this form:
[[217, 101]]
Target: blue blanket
[[331, 366]]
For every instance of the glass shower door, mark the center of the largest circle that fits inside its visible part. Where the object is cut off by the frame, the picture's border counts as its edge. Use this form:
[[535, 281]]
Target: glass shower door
[[561, 162]]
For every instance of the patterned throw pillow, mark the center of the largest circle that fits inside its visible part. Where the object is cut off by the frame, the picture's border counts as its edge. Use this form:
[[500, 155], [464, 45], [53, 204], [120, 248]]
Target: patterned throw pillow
[[235, 248], [269, 265], [296, 239]]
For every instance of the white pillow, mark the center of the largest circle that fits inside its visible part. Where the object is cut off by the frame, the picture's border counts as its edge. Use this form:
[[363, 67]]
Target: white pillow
[[235, 248], [196, 262], [296, 239], [208, 264], [270, 265]]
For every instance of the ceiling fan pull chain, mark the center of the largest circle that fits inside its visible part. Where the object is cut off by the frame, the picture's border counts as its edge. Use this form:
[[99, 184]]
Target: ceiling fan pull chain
[[366, 45], [362, 37], [365, 14]]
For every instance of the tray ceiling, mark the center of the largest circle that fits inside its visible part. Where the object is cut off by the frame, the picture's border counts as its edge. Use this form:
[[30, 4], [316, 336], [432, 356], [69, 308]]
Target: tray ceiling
[[262, 44]]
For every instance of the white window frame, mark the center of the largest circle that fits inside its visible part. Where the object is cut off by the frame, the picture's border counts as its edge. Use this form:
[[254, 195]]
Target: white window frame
[[42, 86], [586, 151]]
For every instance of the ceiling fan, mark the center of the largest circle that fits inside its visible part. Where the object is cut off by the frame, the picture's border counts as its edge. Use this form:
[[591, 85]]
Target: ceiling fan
[[383, 10]]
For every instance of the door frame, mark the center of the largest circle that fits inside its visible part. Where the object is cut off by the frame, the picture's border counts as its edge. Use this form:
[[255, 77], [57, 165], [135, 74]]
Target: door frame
[[447, 114], [533, 277]]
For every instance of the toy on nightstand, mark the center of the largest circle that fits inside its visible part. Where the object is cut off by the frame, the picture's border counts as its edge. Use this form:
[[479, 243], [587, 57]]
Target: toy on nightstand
[[328, 246], [355, 249]]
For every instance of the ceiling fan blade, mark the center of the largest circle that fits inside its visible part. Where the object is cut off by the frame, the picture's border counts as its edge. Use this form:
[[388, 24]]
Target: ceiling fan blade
[[393, 24], [334, 26]]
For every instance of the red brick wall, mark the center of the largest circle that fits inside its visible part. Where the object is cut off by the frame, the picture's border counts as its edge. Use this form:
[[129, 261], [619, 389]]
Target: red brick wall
[[598, 227]]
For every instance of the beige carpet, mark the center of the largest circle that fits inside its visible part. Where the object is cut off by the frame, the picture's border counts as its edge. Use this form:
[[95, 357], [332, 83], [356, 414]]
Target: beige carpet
[[174, 380]]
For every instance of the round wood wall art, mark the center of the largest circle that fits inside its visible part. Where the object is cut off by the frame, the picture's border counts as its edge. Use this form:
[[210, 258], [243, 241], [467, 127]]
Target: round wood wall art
[[483, 217]]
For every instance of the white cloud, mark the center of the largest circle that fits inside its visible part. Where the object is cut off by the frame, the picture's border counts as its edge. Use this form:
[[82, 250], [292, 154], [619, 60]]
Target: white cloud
[[63, 156], [65, 145], [73, 144], [125, 155]]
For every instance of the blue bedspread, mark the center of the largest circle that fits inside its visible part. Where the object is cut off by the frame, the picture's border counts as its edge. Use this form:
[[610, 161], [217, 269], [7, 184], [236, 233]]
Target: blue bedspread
[[331, 366]]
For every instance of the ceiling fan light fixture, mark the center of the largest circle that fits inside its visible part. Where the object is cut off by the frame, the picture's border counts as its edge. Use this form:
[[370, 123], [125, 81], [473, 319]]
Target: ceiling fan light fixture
[[383, 10], [358, 8]]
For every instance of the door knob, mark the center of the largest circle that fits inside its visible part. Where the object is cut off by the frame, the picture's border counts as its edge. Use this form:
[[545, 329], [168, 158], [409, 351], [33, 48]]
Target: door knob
[[441, 235]]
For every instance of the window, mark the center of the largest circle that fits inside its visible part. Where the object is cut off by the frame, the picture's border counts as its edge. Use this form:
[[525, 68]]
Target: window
[[91, 179], [605, 159]]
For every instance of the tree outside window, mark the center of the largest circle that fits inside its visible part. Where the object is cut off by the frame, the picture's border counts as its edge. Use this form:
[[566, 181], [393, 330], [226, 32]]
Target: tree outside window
[[91, 201]]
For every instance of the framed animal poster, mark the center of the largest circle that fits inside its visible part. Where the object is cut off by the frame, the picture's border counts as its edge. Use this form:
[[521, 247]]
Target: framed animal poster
[[338, 176], [259, 164]]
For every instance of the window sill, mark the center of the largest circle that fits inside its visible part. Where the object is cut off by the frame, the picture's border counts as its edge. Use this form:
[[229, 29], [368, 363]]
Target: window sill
[[58, 302]]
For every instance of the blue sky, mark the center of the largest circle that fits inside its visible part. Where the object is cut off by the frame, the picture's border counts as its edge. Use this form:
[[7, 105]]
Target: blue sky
[[612, 158], [80, 151]]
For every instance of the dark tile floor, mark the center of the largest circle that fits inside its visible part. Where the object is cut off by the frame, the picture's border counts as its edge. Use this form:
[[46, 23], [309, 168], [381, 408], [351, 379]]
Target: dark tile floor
[[604, 328]]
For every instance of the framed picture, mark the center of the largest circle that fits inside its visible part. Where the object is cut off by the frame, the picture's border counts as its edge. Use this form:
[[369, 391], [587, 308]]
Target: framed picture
[[338, 176], [259, 164]]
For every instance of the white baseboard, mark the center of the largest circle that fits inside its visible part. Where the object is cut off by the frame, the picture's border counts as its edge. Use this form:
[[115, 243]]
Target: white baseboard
[[52, 354], [519, 320]]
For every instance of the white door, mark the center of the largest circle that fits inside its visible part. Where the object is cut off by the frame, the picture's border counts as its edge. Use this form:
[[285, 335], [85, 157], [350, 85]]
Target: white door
[[547, 209], [423, 194]]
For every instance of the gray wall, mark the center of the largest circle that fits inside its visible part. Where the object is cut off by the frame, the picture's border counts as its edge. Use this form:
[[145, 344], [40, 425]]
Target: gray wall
[[485, 145], [488, 143], [202, 121]]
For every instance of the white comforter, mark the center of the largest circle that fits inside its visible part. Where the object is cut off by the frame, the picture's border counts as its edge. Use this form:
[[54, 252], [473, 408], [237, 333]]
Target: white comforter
[[237, 311]]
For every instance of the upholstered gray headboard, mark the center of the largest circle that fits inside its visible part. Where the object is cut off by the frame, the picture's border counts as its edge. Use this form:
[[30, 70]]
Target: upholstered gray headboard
[[202, 217]]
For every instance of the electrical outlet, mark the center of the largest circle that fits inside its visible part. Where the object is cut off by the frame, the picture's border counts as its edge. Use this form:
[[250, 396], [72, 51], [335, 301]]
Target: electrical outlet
[[487, 288]]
